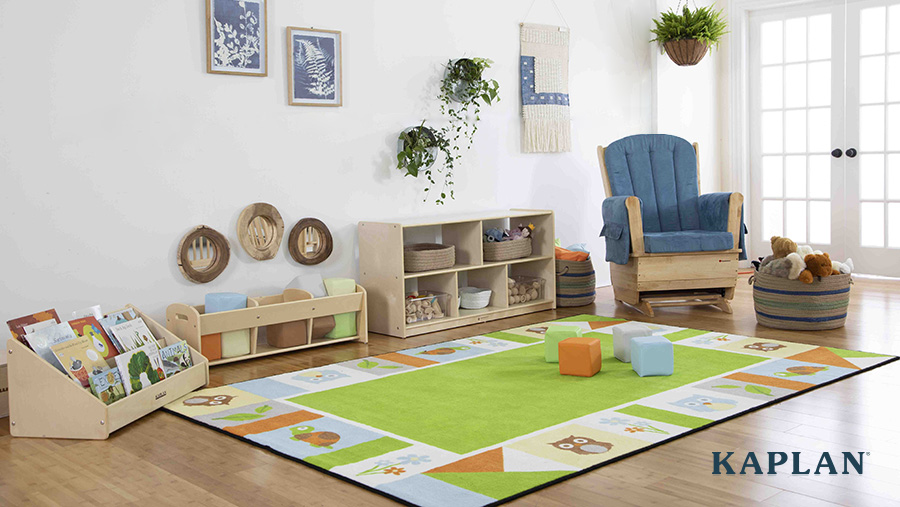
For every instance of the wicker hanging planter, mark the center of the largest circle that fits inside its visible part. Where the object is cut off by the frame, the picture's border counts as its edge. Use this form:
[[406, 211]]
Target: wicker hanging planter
[[686, 52]]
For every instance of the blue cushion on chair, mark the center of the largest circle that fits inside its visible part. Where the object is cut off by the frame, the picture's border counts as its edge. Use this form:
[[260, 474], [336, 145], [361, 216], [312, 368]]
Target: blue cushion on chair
[[687, 241]]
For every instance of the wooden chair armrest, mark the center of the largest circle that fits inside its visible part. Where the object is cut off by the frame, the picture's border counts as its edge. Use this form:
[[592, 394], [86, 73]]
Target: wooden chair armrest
[[734, 217], [635, 225]]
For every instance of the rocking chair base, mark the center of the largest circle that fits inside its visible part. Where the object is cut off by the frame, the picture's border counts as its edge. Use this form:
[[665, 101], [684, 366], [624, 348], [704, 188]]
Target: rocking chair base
[[652, 300]]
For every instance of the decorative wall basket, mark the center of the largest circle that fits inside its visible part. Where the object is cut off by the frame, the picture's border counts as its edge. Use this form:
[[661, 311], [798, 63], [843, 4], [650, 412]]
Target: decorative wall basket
[[260, 229], [310, 242], [203, 254], [686, 52]]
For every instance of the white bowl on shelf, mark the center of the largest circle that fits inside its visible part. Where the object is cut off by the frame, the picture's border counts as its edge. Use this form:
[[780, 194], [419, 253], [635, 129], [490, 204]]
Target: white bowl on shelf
[[474, 298]]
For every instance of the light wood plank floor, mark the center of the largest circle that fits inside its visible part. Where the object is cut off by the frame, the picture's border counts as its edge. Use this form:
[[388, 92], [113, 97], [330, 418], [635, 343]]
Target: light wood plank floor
[[177, 462]]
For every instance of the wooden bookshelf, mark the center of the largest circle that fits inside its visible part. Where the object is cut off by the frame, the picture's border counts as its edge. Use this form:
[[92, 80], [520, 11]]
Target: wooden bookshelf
[[382, 274]]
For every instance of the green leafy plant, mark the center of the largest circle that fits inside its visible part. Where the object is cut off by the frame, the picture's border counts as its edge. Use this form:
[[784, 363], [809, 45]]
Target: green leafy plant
[[418, 151], [705, 24]]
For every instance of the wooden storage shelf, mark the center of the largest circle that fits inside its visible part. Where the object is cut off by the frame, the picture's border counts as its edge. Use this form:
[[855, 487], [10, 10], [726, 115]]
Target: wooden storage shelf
[[381, 268], [190, 323], [44, 402]]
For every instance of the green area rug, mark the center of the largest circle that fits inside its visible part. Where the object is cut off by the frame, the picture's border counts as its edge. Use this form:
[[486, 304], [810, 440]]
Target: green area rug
[[482, 420]]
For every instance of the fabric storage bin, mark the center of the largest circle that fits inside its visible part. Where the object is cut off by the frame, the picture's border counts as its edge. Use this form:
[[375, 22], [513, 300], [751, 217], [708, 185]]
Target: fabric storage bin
[[426, 306], [428, 256], [496, 251], [525, 289], [474, 298], [576, 283], [791, 304]]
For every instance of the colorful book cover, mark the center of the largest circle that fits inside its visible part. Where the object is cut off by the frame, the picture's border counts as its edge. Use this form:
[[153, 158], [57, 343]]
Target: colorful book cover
[[114, 318], [176, 358], [79, 358], [107, 385], [134, 334], [16, 325], [41, 340], [140, 368], [88, 326]]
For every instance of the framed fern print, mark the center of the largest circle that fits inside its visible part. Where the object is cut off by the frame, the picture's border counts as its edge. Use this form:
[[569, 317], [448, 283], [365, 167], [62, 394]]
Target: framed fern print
[[236, 37], [314, 67]]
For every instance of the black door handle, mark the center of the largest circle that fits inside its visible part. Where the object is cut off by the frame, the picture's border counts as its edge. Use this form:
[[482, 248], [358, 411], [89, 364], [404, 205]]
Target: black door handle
[[851, 152], [837, 153]]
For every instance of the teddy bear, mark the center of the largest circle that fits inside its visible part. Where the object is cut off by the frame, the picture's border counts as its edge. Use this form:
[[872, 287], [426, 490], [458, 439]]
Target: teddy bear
[[817, 265], [781, 247]]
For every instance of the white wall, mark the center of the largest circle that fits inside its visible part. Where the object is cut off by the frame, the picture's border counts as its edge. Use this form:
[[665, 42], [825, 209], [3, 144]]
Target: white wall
[[114, 141], [687, 104]]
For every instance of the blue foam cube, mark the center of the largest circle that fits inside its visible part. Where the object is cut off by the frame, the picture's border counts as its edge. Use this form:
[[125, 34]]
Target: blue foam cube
[[652, 356]]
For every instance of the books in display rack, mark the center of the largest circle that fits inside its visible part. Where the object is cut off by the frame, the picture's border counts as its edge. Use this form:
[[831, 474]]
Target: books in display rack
[[41, 340], [114, 318], [176, 358], [134, 334], [16, 326], [107, 385], [79, 358], [140, 368], [88, 326]]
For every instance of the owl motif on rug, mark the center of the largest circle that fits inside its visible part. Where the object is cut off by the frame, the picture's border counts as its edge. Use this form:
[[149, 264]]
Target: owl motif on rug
[[699, 403], [764, 346], [582, 445], [208, 401], [319, 376]]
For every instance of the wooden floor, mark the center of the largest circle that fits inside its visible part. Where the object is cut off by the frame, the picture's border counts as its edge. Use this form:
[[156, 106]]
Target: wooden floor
[[176, 462]]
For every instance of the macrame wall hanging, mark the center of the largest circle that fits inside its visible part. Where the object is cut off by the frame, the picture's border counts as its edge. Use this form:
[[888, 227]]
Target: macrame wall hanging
[[544, 75]]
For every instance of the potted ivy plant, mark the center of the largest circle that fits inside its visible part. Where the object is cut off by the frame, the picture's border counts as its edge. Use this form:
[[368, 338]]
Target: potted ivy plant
[[417, 150], [688, 35]]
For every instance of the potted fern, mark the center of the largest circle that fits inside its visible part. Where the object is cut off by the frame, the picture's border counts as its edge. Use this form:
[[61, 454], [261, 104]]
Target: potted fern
[[687, 36]]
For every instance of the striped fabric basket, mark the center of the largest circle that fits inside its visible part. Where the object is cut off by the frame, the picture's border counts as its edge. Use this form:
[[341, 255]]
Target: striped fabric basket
[[792, 304], [575, 283]]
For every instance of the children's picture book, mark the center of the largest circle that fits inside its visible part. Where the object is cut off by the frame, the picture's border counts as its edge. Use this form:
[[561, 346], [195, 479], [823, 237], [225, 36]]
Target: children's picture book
[[140, 368], [114, 318], [31, 328], [134, 334], [41, 340], [176, 358], [88, 326], [92, 311], [107, 385], [16, 325], [79, 358]]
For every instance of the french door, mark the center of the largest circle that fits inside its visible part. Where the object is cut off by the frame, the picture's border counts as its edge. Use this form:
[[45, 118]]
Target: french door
[[825, 130]]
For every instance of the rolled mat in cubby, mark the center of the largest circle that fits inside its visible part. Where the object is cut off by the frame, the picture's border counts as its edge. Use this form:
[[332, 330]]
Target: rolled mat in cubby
[[575, 282], [791, 304]]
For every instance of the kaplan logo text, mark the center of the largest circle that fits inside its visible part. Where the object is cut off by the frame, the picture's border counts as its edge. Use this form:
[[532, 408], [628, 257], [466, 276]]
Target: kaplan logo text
[[752, 465]]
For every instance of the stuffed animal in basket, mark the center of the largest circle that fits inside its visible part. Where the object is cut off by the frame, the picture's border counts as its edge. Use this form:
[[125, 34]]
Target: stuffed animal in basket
[[784, 261], [845, 268], [817, 265]]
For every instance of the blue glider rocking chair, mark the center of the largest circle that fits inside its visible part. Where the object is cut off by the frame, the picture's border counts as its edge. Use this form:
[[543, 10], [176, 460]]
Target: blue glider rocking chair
[[667, 245]]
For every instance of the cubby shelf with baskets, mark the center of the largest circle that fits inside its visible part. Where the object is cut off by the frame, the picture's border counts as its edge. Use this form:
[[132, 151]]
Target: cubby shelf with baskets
[[387, 284]]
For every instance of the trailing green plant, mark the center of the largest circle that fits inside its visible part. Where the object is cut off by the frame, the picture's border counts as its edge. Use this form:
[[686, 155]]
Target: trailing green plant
[[463, 92], [419, 147], [705, 24]]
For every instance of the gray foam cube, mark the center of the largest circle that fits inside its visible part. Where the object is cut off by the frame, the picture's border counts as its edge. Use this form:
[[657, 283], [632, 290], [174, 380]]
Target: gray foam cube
[[622, 335]]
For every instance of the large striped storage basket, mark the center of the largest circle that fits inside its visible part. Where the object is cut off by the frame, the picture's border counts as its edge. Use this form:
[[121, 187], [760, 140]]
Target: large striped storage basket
[[575, 283], [792, 304]]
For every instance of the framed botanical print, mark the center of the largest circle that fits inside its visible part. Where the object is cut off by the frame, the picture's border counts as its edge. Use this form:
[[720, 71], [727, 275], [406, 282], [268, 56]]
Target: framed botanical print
[[236, 37], [314, 67]]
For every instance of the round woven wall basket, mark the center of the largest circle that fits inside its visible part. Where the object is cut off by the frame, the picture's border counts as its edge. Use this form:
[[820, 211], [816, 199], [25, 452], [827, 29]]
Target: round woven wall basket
[[575, 283], [686, 52], [792, 304], [507, 250], [428, 256]]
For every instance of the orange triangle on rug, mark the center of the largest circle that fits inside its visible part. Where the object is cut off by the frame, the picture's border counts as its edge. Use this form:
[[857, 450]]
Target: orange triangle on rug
[[604, 323], [488, 461], [821, 355]]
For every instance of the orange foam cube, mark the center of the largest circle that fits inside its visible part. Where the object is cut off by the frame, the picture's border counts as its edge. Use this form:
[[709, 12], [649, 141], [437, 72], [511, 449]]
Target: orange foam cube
[[580, 356], [211, 346]]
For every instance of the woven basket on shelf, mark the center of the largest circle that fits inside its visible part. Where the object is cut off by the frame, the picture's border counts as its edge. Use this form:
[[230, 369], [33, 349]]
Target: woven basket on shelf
[[575, 283], [792, 304], [506, 250], [685, 52], [428, 256]]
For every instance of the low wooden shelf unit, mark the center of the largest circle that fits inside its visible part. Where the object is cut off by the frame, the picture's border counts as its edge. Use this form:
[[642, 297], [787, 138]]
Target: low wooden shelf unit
[[383, 276]]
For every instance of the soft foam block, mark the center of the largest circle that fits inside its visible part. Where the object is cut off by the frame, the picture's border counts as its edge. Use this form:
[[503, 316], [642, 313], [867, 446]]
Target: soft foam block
[[345, 323], [310, 283], [622, 335], [234, 343], [553, 336], [580, 356], [652, 356]]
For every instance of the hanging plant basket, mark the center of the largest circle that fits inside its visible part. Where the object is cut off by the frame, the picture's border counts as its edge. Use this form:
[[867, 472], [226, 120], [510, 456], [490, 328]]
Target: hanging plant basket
[[464, 74], [413, 155], [686, 52]]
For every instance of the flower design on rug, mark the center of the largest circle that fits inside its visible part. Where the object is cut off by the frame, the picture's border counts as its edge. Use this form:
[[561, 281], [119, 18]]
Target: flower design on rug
[[413, 459], [699, 403], [633, 426]]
